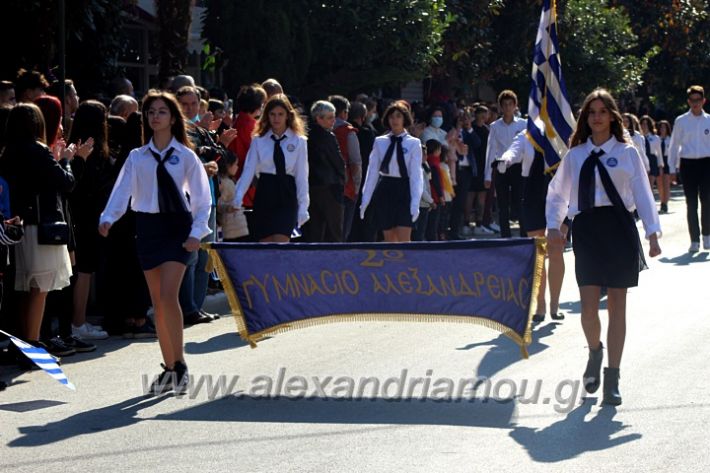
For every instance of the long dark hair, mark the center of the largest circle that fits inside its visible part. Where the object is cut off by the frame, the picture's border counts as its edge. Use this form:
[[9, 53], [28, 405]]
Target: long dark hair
[[583, 131], [293, 119], [90, 122], [25, 124], [178, 129]]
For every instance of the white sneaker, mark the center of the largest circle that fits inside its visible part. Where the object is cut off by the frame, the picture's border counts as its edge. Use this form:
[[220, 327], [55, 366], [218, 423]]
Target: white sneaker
[[706, 242], [694, 247], [88, 332], [95, 327], [494, 227], [481, 230]]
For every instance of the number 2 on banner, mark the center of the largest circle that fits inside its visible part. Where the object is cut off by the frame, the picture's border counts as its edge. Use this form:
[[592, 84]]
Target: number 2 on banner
[[375, 260]]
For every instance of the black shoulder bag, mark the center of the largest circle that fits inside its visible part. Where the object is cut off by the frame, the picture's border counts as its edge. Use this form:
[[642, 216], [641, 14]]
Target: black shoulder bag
[[51, 233]]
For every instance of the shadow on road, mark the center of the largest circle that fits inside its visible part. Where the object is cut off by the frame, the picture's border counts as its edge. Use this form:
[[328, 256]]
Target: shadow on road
[[502, 353], [572, 436], [111, 417], [224, 341], [686, 259], [470, 413]]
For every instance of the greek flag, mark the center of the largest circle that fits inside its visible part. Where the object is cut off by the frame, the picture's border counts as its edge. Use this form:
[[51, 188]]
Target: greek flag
[[550, 118], [41, 358]]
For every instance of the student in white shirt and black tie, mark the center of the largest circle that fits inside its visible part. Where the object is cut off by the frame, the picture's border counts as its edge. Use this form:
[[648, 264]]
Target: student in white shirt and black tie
[[653, 152], [278, 155], [394, 181], [599, 183], [690, 153], [169, 226], [664, 135]]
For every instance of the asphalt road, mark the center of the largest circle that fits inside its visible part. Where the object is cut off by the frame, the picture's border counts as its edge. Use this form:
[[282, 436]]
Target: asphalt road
[[531, 415]]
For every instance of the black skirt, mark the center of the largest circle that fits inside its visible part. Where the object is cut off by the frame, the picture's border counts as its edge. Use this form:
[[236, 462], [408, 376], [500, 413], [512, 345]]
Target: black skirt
[[159, 238], [534, 199], [275, 206], [605, 253], [390, 203], [653, 165]]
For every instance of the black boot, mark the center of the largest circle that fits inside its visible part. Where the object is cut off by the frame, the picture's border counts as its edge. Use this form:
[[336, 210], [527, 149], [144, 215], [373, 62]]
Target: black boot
[[612, 395], [592, 375]]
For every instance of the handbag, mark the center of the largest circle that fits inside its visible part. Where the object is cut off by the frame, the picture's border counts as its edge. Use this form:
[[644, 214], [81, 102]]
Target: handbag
[[51, 233]]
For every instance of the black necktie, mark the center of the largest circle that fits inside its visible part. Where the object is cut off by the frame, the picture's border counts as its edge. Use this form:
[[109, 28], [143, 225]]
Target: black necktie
[[169, 197], [648, 147], [395, 142], [279, 158], [587, 184], [663, 147]]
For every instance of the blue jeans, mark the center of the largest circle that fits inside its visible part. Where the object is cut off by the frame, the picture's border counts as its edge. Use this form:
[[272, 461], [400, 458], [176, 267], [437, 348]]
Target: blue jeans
[[193, 289]]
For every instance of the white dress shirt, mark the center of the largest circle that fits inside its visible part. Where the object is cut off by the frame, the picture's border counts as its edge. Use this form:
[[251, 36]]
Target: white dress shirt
[[138, 182], [654, 142], [690, 139], [431, 133], [412, 148], [640, 144], [520, 151], [260, 159], [499, 140], [624, 165]]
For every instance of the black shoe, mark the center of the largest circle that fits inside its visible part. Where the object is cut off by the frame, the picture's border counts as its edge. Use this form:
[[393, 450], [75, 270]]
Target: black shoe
[[182, 378], [664, 209], [164, 382], [612, 396], [209, 314], [196, 318], [3, 385], [538, 317], [56, 346], [79, 345], [592, 375], [558, 316]]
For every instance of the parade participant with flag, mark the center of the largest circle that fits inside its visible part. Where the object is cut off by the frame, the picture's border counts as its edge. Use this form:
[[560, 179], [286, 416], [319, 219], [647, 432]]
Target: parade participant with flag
[[169, 226], [599, 183]]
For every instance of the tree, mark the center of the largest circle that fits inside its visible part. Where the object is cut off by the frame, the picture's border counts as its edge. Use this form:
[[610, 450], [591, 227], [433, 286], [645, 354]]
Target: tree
[[174, 18], [329, 46], [596, 46]]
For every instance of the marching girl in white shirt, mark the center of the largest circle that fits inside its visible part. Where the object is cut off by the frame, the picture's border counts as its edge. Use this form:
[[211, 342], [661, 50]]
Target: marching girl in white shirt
[[653, 152], [598, 184], [394, 181], [664, 133], [155, 180], [278, 156], [633, 128]]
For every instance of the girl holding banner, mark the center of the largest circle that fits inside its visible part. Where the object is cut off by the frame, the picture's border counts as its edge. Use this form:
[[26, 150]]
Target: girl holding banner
[[599, 183], [278, 155], [169, 226], [394, 182]]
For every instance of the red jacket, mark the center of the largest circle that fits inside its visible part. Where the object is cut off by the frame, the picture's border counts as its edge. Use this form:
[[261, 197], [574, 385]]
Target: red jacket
[[341, 134], [245, 126]]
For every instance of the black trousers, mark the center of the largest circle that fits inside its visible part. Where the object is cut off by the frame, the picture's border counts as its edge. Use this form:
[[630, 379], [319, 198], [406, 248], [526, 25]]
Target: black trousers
[[326, 211], [509, 192], [464, 181], [696, 183]]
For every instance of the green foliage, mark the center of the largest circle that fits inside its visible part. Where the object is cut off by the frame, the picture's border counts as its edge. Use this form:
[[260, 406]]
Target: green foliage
[[329, 46], [174, 18], [596, 46]]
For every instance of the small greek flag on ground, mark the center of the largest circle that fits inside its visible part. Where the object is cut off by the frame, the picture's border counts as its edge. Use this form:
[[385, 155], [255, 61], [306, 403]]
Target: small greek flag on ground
[[550, 118], [41, 358]]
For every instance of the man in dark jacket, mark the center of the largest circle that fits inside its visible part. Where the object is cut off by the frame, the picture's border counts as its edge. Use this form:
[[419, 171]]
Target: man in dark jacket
[[362, 230], [326, 177]]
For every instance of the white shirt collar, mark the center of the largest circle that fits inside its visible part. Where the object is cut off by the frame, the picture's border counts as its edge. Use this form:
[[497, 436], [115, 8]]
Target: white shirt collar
[[288, 133], [404, 133], [606, 147], [173, 144]]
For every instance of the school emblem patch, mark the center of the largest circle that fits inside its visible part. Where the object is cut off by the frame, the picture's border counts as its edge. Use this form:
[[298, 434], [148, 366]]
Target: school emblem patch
[[707, 132], [290, 148], [612, 162], [405, 150], [174, 159]]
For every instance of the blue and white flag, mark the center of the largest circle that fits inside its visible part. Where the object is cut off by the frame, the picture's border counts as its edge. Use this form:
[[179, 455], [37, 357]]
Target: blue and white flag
[[550, 117], [41, 358]]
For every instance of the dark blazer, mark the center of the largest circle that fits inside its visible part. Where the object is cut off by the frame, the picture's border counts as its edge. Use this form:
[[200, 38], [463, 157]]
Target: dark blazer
[[325, 163], [35, 177]]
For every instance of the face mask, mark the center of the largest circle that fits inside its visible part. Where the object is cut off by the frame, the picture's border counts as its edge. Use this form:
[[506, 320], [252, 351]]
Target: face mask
[[436, 122], [196, 119]]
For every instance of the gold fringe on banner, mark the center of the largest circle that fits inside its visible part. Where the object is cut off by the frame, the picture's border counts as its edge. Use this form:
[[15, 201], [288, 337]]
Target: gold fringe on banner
[[254, 338]]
